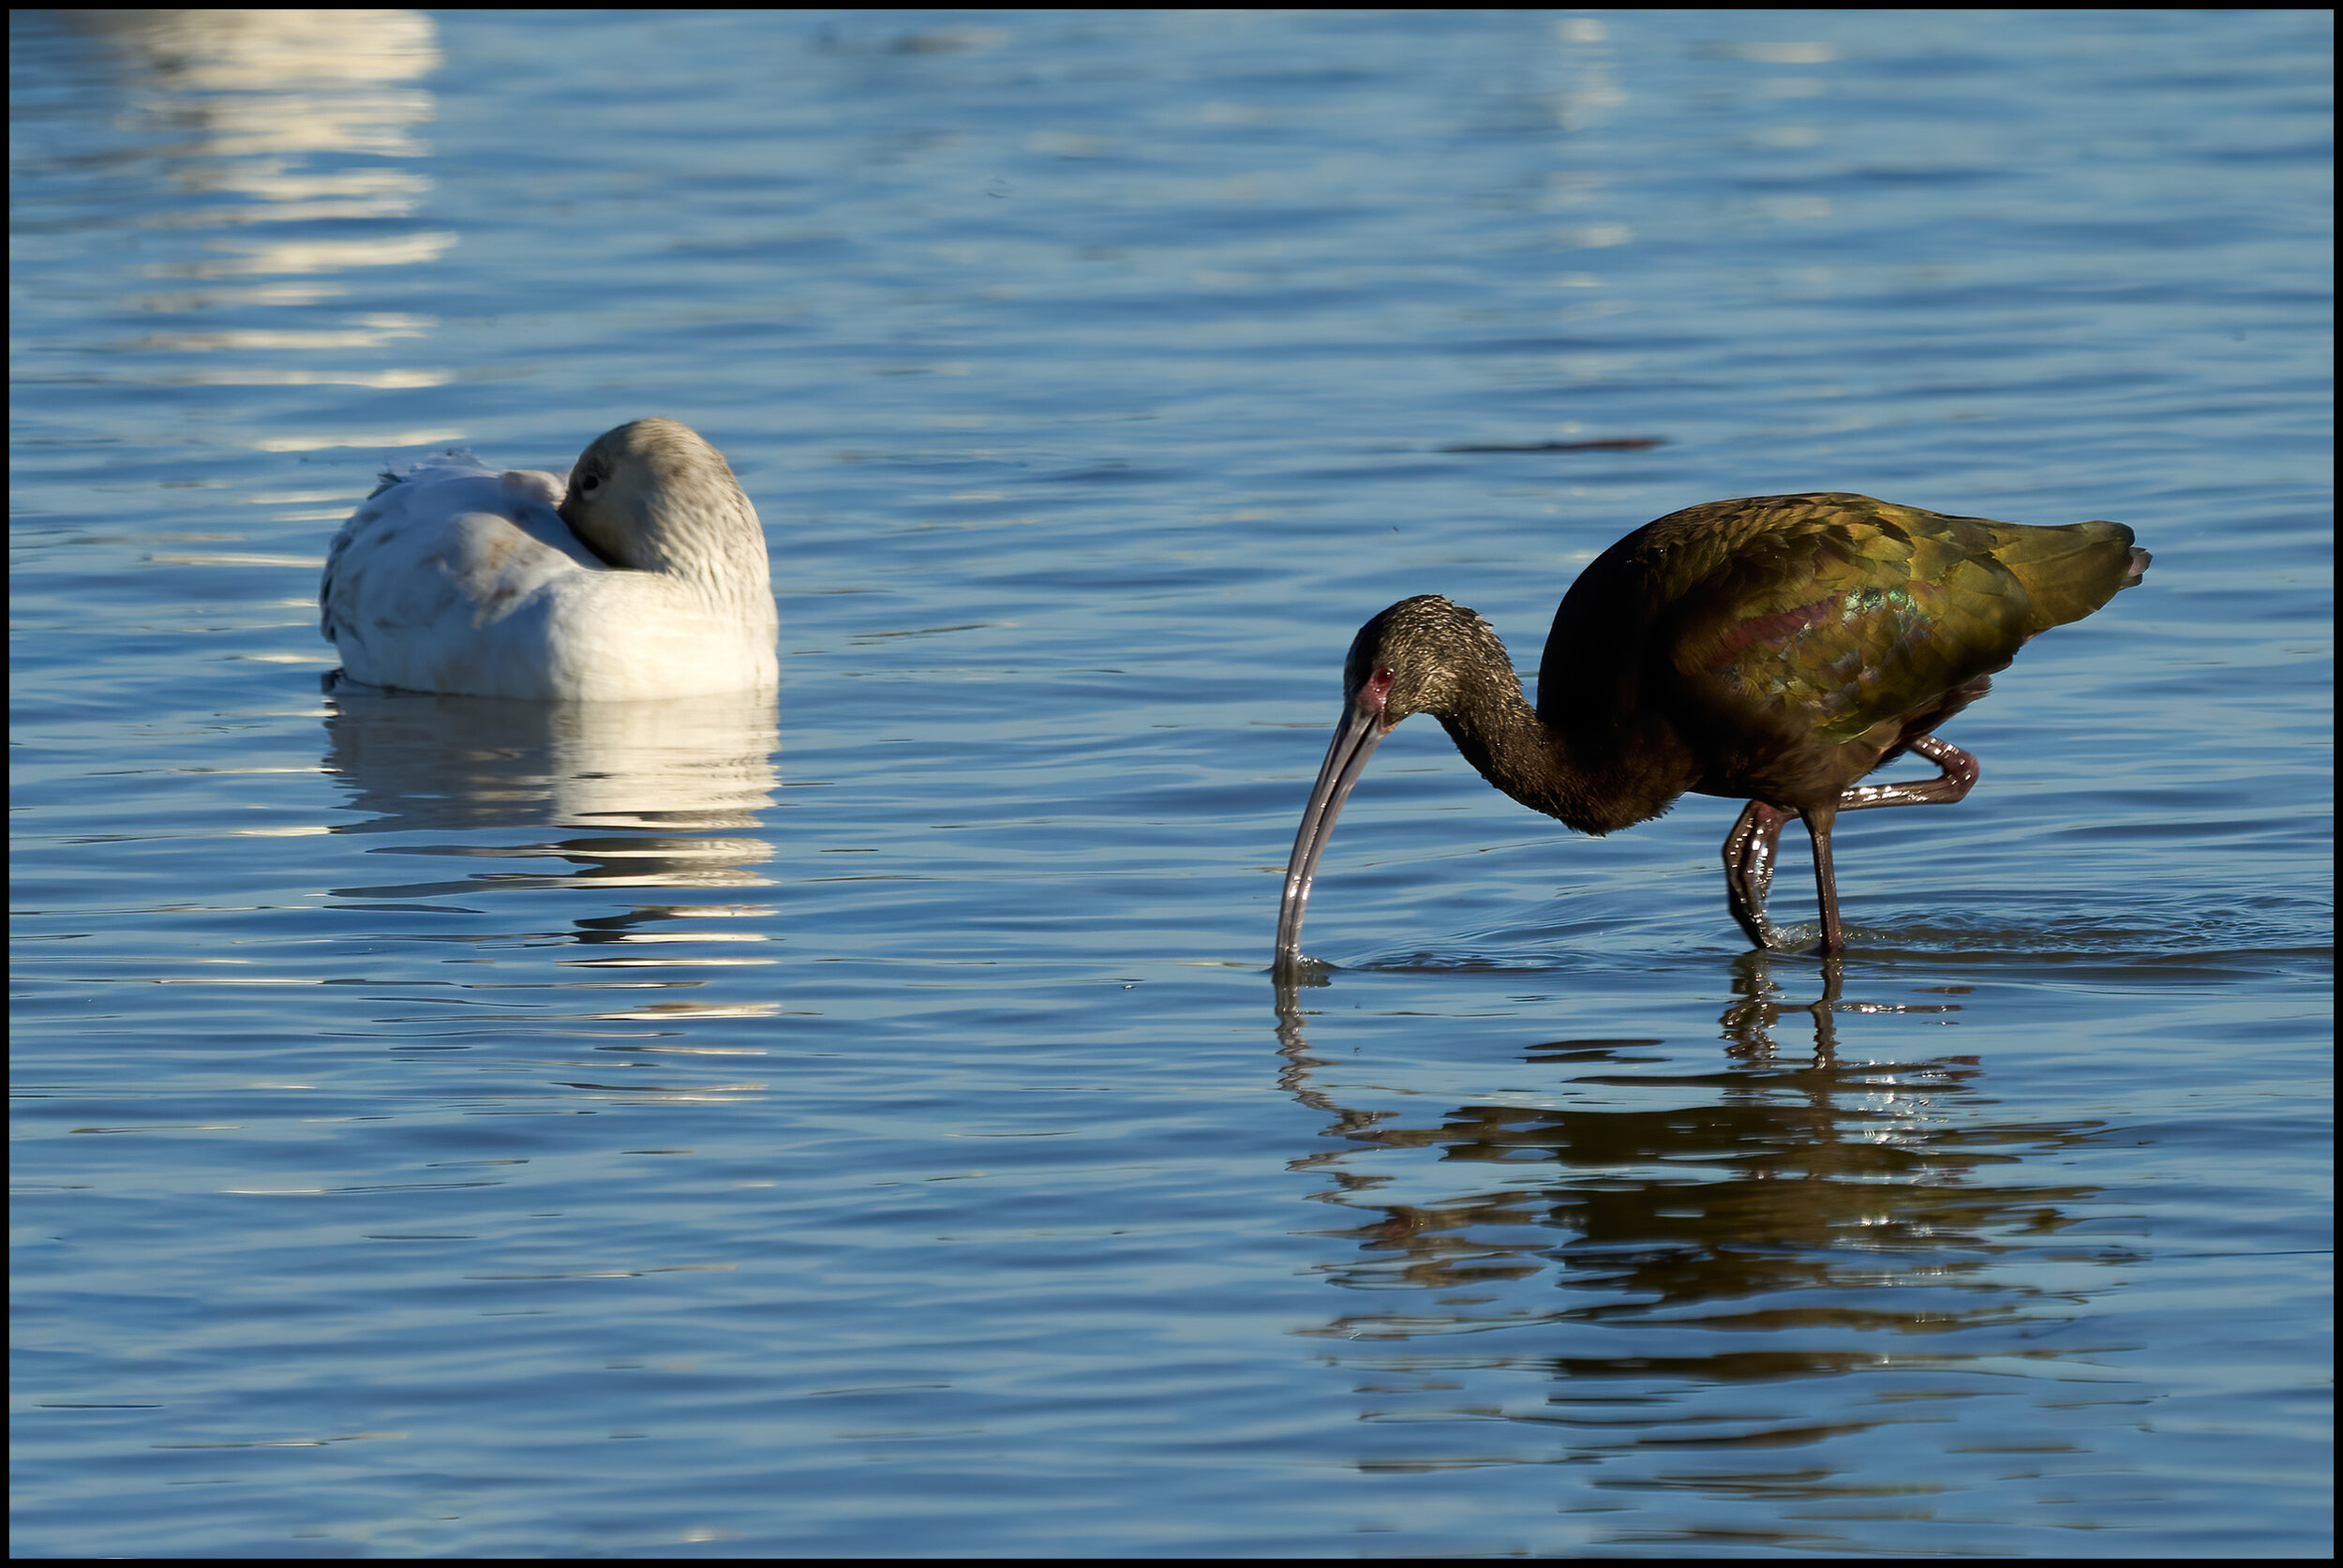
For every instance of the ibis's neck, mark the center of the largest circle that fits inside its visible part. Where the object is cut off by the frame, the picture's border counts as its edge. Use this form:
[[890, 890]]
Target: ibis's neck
[[1594, 781]]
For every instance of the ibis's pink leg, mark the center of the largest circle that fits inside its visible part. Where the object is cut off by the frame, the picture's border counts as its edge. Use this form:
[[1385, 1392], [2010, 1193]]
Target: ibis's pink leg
[[1958, 768], [1749, 867], [1818, 822], [1749, 849]]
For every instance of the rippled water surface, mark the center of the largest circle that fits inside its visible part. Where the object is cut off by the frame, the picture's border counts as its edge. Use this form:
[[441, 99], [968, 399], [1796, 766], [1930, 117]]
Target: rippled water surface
[[867, 1126]]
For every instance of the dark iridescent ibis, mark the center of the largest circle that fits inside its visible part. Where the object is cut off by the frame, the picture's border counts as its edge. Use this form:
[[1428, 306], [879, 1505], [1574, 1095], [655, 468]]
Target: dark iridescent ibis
[[1775, 651]]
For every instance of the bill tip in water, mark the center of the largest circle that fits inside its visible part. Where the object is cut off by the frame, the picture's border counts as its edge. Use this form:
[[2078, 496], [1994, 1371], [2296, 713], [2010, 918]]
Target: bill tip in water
[[1294, 969]]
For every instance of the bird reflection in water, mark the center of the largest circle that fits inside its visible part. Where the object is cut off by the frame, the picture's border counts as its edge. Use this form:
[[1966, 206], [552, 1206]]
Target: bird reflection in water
[[663, 794], [1748, 1023], [1667, 1225]]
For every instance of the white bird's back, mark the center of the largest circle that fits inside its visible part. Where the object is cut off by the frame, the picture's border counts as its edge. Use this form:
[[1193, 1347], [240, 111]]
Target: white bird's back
[[456, 577]]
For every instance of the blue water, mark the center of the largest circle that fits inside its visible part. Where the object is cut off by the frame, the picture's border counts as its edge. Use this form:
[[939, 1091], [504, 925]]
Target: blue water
[[867, 1126]]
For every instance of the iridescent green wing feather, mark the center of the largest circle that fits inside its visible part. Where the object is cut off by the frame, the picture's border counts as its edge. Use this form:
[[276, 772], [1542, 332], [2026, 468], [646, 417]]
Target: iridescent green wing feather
[[1820, 616]]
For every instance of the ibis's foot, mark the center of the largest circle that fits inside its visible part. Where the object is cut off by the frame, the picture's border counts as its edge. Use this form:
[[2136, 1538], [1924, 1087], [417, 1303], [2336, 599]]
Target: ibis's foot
[[1956, 772], [1790, 939]]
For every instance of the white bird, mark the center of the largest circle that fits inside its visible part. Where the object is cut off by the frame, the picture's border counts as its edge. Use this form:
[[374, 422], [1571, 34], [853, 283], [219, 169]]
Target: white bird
[[647, 579]]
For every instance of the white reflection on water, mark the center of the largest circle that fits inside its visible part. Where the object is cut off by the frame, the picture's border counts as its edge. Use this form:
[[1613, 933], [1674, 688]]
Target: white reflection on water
[[420, 760]]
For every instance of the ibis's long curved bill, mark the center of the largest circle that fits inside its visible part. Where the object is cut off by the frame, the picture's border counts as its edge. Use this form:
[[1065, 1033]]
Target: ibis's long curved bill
[[1355, 739]]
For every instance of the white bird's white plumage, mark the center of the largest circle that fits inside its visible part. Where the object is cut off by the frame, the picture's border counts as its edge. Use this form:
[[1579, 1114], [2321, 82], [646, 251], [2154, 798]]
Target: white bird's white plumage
[[645, 578]]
